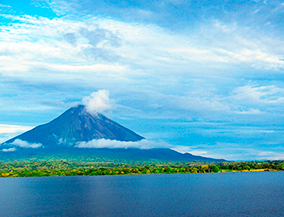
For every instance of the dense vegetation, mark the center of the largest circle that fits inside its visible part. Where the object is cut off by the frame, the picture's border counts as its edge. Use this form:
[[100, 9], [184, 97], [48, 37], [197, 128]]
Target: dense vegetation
[[63, 168]]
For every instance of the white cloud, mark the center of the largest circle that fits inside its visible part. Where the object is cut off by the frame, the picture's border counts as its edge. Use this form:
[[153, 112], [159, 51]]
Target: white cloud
[[106, 143], [9, 149], [98, 102], [24, 144]]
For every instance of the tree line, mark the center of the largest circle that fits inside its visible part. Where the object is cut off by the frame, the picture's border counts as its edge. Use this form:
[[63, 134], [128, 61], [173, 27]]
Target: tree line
[[64, 168]]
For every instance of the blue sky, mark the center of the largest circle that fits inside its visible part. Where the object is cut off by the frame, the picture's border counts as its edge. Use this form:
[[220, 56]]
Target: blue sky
[[207, 75]]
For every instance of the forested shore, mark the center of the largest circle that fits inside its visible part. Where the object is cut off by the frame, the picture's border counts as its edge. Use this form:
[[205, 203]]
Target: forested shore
[[64, 168]]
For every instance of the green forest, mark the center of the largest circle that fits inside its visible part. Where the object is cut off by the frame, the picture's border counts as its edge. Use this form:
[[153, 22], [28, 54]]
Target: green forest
[[64, 168]]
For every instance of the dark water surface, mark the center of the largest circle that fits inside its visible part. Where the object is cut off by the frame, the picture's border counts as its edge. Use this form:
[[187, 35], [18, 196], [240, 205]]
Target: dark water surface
[[226, 194]]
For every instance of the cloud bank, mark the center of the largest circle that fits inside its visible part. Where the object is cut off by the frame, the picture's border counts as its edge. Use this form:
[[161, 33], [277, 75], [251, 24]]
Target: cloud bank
[[107, 143], [98, 102], [143, 144]]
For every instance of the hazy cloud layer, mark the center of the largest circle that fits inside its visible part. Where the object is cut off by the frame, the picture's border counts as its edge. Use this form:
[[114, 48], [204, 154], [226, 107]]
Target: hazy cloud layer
[[8, 131], [7, 128], [238, 151]]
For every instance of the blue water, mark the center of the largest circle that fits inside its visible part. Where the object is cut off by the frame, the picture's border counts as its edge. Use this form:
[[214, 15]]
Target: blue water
[[226, 194]]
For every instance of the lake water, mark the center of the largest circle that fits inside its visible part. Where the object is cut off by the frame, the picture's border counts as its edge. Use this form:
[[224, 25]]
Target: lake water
[[222, 194]]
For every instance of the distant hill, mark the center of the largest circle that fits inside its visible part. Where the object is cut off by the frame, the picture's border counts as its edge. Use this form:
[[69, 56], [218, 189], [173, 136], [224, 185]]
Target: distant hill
[[57, 140]]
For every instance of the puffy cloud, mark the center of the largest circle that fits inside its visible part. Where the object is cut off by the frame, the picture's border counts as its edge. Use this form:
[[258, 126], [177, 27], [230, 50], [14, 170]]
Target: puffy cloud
[[98, 102], [24, 144]]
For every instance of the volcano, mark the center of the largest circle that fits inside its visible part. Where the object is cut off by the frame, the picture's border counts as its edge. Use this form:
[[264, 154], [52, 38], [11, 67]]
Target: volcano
[[74, 125], [59, 139]]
